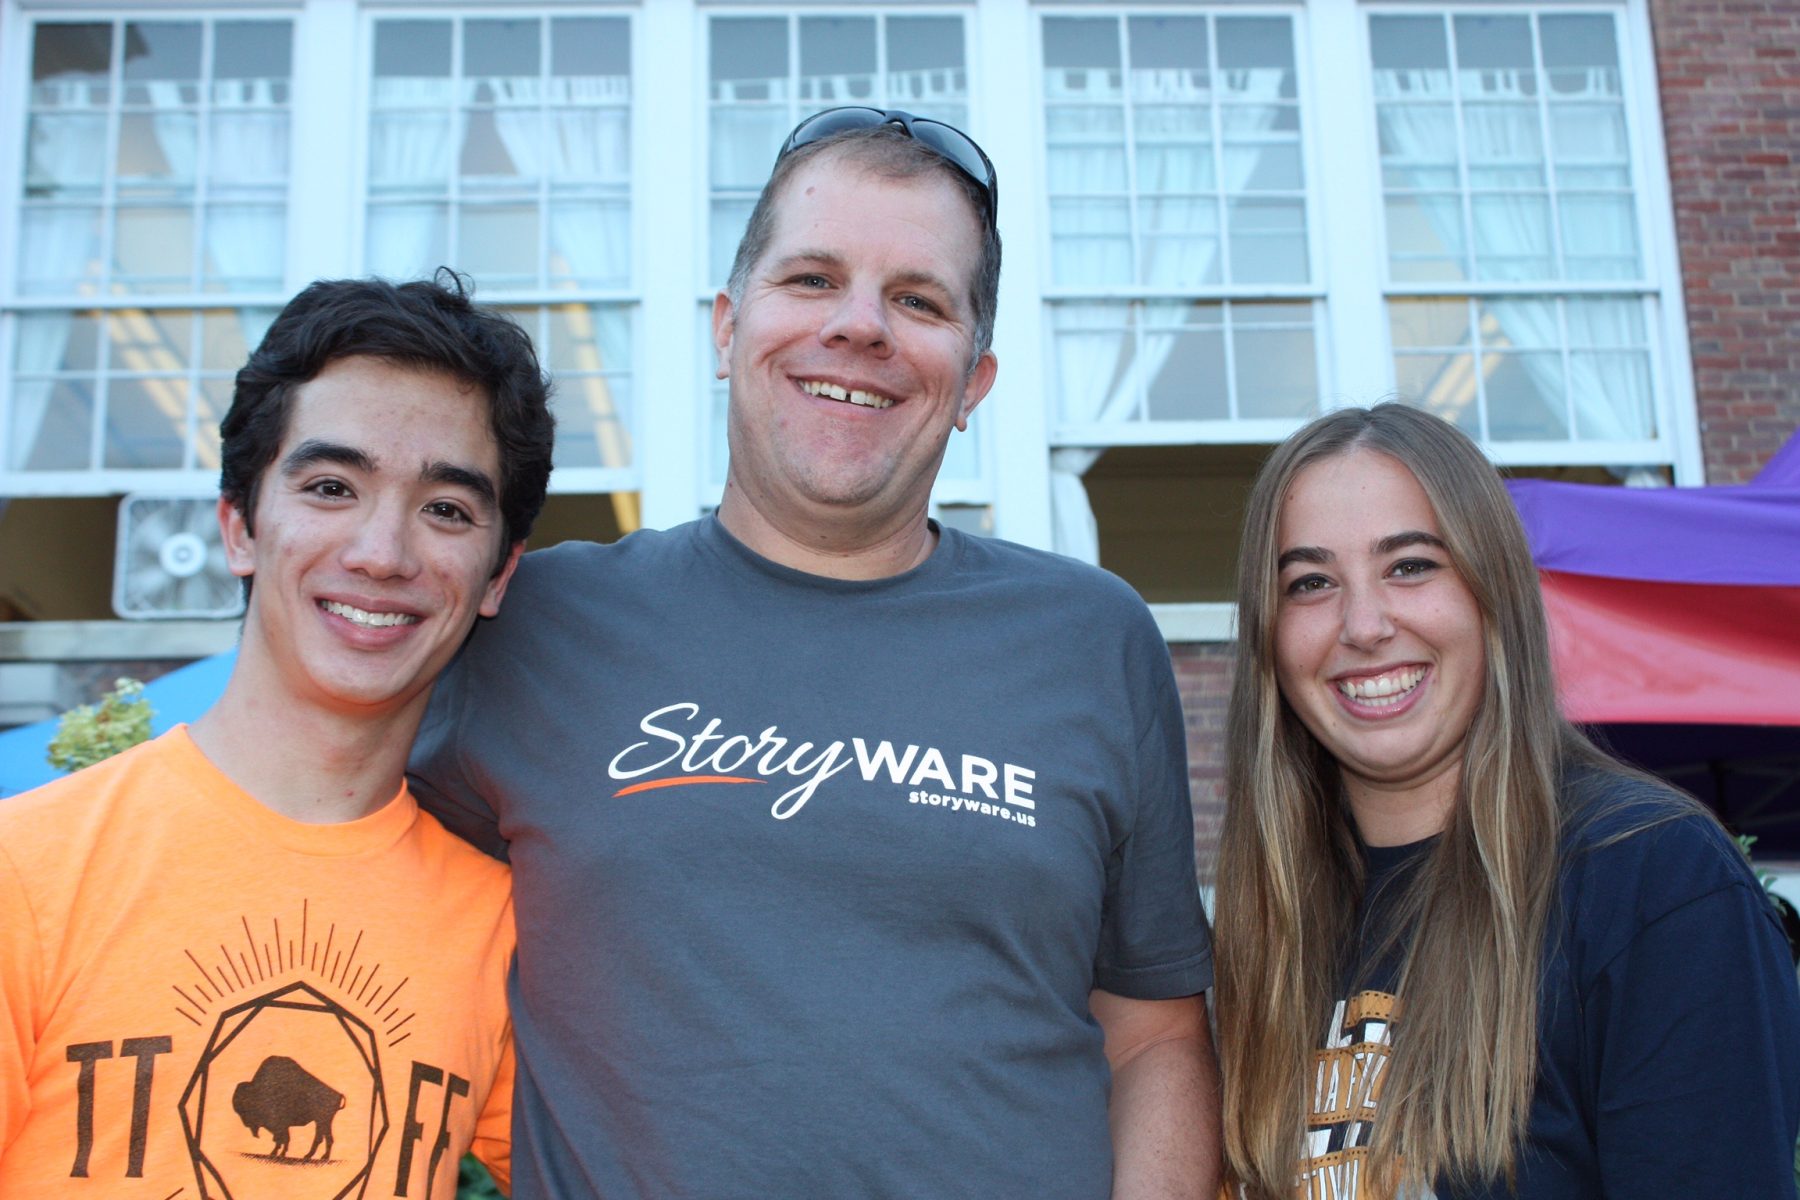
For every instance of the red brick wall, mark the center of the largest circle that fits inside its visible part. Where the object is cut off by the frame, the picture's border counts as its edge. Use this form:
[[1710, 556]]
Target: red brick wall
[[1203, 676], [1730, 79]]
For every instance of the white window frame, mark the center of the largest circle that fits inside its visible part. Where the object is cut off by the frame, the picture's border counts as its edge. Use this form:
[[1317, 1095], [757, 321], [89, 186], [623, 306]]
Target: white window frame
[[18, 26], [1659, 287], [563, 480], [1157, 432]]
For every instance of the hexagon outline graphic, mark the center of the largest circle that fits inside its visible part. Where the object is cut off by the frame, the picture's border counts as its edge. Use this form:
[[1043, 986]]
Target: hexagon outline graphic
[[234, 1021]]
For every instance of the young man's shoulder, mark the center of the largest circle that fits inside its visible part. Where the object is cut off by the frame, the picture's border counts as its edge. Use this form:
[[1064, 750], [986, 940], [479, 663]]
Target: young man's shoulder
[[93, 793]]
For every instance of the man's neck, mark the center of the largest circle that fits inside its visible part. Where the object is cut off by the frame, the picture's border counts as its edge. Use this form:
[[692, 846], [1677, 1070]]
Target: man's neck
[[308, 765], [835, 547]]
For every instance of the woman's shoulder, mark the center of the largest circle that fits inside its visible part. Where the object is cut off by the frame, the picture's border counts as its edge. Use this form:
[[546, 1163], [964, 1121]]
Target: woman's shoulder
[[1632, 840]]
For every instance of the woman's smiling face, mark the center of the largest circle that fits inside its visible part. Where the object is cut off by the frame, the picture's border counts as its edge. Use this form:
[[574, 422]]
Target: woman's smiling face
[[1378, 641]]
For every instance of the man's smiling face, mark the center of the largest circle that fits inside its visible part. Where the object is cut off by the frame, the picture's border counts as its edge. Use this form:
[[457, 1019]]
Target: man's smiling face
[[377, 535], [849, 350]]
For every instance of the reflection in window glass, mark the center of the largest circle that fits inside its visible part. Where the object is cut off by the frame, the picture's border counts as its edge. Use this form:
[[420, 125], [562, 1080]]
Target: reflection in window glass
[[1503, 148], [587, 348], [502, 147], [1160, 130], [1527, 368], [127, 388], [766, 73], [131, 145], [1167, 360]]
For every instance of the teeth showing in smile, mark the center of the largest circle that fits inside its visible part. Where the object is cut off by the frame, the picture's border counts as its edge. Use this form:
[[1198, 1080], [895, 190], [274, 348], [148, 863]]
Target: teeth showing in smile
[[831, 391], [371, 620], [1382, 690]]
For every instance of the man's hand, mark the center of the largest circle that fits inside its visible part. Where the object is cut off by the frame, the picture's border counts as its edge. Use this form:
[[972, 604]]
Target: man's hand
[[1165, 1097]]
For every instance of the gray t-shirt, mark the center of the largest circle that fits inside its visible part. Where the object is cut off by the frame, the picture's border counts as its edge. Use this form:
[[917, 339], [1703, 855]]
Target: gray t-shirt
[[813, 877]]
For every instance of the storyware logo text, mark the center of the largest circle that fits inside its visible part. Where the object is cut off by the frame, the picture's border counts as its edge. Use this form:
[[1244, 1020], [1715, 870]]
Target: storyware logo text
[[681, 748]]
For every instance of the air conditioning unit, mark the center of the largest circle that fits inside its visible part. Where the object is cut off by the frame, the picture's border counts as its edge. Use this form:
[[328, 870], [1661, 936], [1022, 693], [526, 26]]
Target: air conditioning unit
[[169, 560]]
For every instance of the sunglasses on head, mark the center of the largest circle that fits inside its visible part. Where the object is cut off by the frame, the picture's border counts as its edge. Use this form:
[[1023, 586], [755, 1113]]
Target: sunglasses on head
[[949, 142]]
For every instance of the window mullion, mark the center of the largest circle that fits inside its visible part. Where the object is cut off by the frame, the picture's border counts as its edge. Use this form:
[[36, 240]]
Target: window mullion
[[1552, 185], [883, 96], [201, 203], [453, 214], [1469, 259], [1133, 203], [109, 176], [1216, 122], [542, 187]]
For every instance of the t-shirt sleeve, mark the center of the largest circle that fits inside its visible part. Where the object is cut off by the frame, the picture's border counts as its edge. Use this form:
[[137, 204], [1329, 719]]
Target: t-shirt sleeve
[[493, 1129], [1154, 940], [436, 771], [1695, 1025], [19, 970]]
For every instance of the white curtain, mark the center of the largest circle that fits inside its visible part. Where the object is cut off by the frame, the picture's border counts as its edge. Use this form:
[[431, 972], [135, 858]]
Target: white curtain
[[575, 143], [1116, 372], [43, 336], [67, 154], [1609, 392], [248, 169], [410, 148], [1104, 383]]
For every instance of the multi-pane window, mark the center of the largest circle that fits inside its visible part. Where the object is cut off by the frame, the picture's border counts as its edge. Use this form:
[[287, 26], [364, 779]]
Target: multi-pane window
[[1172, 360], [501, 146], [154, 195], [1179, 251], [1516, 276], [764, 73], [127, 388], [587, 350]]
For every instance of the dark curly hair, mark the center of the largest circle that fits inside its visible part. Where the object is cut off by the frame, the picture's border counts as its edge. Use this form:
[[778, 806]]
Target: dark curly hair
[[430, 325]]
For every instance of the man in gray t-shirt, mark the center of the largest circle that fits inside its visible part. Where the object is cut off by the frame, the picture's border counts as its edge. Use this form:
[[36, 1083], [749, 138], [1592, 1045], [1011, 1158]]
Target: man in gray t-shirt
[[852, 855]]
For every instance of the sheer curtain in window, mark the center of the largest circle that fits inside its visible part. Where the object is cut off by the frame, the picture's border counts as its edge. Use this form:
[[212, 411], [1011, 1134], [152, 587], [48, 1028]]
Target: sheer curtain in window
[[1512, 232], [249, 162], [1111, 375], [572, 142], [55, 245], [410, 144], [1167, 262]]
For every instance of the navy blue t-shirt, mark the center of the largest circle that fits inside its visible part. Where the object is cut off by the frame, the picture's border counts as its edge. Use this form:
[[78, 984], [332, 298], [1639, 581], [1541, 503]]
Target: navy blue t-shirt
[[1669, 1022]]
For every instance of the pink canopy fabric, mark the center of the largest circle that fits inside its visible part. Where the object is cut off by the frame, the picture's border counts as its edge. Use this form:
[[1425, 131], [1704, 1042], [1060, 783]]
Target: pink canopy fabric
[[1673, 605]]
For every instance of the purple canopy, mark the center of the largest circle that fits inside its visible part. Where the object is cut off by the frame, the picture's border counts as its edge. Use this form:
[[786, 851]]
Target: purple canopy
[[1743, 534]]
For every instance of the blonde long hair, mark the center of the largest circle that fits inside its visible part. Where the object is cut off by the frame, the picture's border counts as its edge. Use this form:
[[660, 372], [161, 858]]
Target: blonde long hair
[[1458, 1088]]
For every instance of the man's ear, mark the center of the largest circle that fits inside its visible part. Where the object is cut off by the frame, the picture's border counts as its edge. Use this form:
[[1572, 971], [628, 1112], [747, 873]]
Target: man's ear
[[724, 316], [240, 547], [496, 587], [974, 391]]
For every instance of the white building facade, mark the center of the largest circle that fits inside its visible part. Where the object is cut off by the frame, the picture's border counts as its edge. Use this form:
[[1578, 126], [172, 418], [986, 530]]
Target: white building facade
[[1220, 220]]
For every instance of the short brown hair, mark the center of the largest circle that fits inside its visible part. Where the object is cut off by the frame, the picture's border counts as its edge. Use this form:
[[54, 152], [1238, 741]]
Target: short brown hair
[[890, 152]]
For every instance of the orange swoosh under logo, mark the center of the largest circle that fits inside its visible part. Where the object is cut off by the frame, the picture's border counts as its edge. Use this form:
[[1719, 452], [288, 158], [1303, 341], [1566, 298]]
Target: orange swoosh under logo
[[681, 780]]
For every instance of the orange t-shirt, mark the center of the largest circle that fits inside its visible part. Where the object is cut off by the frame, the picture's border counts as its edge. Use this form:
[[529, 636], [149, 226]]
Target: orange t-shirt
[[200, 997]]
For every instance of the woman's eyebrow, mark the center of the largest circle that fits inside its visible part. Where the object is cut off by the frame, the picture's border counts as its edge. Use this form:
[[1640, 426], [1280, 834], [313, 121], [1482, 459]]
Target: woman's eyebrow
[[1303, 554], [1410, 537]]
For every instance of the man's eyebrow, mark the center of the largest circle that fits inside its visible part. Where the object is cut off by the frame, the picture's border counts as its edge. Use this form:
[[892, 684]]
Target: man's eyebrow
[[801, 258], [1302, 554], [477, 481], [317, 450], [1409, 537]]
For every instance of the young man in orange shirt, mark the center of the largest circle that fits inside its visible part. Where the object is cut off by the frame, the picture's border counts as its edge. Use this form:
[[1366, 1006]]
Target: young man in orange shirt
[[238, 959]]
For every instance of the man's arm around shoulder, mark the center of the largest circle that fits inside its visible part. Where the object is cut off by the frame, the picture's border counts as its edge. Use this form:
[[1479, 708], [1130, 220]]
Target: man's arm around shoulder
[[1165, 1097]]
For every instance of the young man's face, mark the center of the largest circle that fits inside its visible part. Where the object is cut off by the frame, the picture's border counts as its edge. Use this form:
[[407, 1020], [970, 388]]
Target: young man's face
[[849, 350], [377, 532]]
